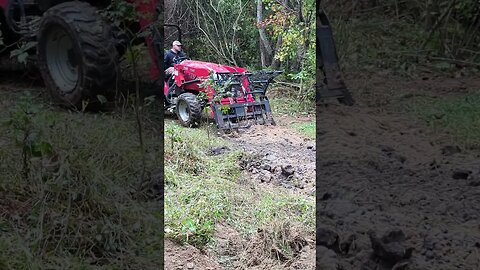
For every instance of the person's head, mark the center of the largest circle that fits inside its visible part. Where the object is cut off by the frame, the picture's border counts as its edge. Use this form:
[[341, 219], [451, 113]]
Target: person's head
[[176, 46]]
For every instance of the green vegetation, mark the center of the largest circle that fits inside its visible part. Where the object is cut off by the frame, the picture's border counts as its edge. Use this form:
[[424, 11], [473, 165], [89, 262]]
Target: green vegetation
[[202, 190], [306, 128], [406, 38], [77, 191], [291, 106], [263, 34], [458, 116]]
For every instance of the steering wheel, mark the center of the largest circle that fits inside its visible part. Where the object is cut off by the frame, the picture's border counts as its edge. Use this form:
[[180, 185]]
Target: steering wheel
[[178, 60]]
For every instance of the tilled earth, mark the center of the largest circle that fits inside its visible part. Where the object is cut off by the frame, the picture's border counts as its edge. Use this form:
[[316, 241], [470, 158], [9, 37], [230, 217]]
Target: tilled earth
[[278, 156], [180, 257], [392, 194]]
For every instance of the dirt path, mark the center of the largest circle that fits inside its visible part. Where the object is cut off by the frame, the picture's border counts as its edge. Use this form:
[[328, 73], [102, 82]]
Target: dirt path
[[276, 157], [183, 257], [279, 156], [380, 173]]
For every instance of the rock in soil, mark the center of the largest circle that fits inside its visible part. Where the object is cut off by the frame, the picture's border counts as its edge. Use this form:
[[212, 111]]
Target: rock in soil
[[327, 238], [288, 170], [461, 174], [450, 150], [219, 151], [391, 247], [187, 257], [326, 259], [280, 151]]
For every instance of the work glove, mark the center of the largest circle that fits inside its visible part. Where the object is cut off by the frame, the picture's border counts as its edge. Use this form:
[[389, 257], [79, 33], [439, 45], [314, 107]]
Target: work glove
[[169, 70]]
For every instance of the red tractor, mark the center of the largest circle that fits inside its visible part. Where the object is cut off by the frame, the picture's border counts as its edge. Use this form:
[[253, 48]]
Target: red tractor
[[77, 50], [235, 96], [78, 53]]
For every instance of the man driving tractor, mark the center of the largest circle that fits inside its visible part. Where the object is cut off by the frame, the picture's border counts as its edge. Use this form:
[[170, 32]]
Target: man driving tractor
[[171, 56]]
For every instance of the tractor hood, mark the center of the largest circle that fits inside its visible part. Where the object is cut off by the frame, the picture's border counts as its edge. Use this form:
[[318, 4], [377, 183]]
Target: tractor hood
[[202, 69]]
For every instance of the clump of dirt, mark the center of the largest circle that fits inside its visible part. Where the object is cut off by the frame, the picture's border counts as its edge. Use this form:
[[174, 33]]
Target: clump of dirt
[[278, 155], [187, 257], [228, 245], [305, 260], [279, 247], [281, 243], [381, 174]]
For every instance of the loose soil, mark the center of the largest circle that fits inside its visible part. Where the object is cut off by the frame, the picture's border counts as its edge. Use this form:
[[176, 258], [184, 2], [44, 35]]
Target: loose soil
[[382, 172], [279, 156], [181, 257]]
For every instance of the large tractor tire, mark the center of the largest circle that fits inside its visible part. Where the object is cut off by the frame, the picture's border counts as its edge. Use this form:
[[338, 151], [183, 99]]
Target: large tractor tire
[[189, 110], [76, 54]]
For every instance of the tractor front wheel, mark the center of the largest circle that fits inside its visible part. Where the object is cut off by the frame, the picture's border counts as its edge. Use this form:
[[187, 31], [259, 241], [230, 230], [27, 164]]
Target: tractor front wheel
[[76, 54], [189, 110]]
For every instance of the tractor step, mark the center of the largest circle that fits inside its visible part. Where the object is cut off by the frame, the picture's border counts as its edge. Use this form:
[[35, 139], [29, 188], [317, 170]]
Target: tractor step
[[32, 26], [29, 27]]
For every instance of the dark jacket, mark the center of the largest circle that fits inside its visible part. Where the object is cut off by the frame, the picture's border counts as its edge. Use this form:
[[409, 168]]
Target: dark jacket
[[171, 57]]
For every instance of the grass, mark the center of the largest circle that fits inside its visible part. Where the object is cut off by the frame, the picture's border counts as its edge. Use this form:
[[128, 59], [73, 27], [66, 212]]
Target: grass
[[296, 108], [73, 196], [306, 128], [390, 45], [378, 44], [460, 117], [203, 190], [292, 107]]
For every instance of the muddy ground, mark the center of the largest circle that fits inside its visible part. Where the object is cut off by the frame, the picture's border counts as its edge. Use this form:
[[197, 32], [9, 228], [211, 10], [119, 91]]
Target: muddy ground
[[392, 194], [279, 156], [276, 157]]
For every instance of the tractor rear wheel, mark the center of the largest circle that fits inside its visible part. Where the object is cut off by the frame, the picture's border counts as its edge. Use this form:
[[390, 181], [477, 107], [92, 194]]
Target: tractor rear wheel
[[189, 110], [76, 54]]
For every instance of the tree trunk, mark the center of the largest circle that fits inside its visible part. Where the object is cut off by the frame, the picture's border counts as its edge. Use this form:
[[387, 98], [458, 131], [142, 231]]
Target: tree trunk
[[266, 50], [276, 63]]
